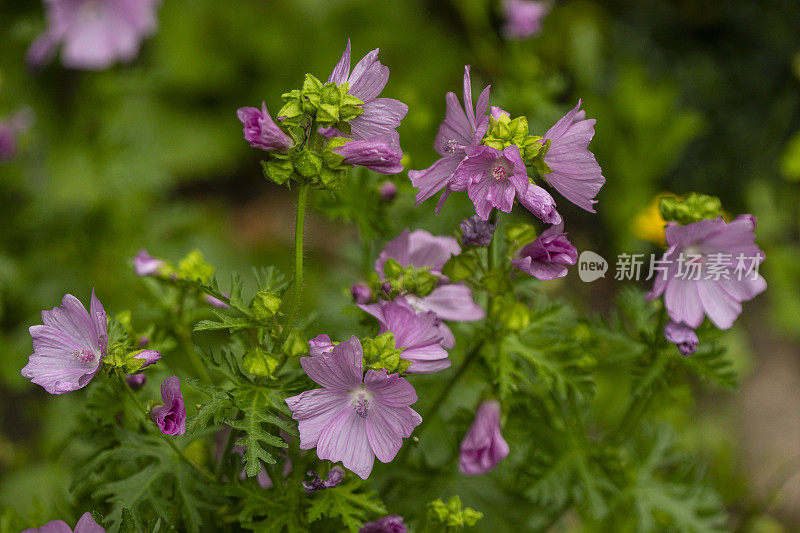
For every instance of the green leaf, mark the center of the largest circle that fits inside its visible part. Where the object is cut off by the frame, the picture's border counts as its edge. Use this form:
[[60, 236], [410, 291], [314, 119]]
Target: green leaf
[[226, 322], [346, 503], [218, 408], [127, 523], [260, 405]]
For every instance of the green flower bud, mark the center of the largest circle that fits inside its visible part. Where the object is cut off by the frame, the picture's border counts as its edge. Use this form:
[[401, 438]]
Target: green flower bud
[[194, 266], [278, 170], [265, 304], [460, 267], [259, 362], [511, 314], [296, 344], [452, 513], [693, 208], [392, 269], [380, 354], [308, 164]]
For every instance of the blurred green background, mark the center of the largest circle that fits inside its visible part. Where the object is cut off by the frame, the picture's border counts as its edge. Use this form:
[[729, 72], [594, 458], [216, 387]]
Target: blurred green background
[[688, 95]]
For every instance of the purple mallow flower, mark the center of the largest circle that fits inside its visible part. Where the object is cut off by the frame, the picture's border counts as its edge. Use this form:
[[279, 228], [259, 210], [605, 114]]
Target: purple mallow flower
[[86, 524], [575, 172], [94, 33], [462, 128], [381, 116], [421, 249], [682, 336], [547, 257], [145, 264], [315, 484], [483, 446], [388, 524], [710, 268], [381, 154], [524, 18], [477, 232], [354, 417], [494, 178], [418, 335], [170, 417], [69, 347], [136, 381], [261, 131], [148, 356]]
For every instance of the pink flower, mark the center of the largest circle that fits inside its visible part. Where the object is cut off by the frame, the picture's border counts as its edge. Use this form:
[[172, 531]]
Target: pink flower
[[261, 131], [354, 417], [417, 334], [145, 264], [462, 128], [494, 178], [524, 18], [136, 381], [575, 172], [710, 268], [381, 116], [85, 525], [682, 336], [421, 249], [170, 417], [69, 348], [381, 154], [547, 257], [94, 33], [483, 446]]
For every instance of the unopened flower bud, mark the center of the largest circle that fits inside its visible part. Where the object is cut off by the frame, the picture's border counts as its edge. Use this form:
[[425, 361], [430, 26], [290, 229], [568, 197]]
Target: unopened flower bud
[[361, 293], [136, 381], [476, 231]]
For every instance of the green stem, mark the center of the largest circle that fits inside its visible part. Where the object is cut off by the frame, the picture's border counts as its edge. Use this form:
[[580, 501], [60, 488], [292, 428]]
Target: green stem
[[185, 340], [166, 439], [297, 289]]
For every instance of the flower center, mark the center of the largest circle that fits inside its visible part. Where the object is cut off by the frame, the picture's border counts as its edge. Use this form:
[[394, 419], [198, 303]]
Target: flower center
[[361, 403], [84, 356], [451, 146], [499, 172]]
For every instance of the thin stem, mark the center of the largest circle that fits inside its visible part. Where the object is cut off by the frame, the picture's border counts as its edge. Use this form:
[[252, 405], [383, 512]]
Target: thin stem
[[166, 439], [185, 340], [297, 289]]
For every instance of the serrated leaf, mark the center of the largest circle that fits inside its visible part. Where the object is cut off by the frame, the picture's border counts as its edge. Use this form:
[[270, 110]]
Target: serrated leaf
[[345, 503], [260, 406]]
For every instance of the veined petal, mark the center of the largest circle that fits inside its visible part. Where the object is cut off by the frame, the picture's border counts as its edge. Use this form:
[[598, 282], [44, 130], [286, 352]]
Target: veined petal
[[340, 369], [368, 78], [314, 410], [386, 428], [342, 69], [391, 390], [345, 439]]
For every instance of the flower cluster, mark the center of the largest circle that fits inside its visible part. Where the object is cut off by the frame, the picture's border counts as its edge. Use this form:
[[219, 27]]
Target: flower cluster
[[718, 295], [324, 129]]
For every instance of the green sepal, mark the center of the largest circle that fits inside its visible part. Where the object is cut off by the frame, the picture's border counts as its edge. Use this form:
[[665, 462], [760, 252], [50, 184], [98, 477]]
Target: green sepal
[[693, 208], [278, 170], [333, 179], [259, 362], [327, 114]]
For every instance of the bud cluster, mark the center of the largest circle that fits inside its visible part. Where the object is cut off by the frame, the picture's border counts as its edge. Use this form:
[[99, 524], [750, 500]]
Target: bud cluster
[[693, 208]]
